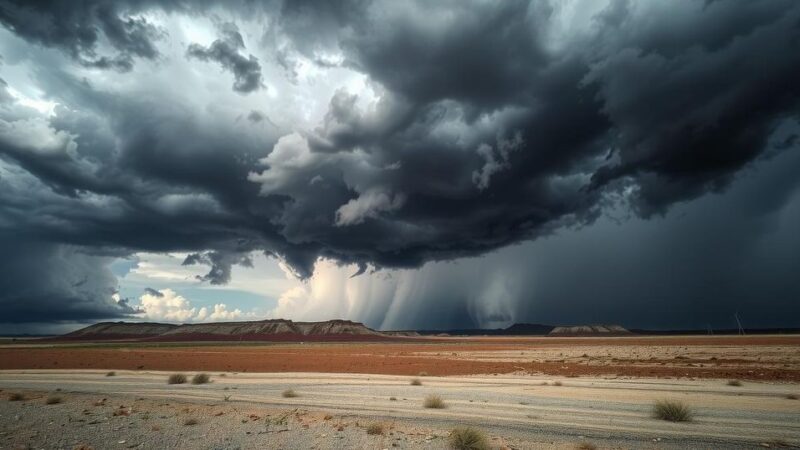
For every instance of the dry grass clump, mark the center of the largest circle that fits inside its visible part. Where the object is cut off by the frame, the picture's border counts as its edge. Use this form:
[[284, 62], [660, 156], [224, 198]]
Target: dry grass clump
[[585, 446], [111, 374], [467, 438], [53, 400], [791, 396], [201, 378], [176, 378], [394, 399], [416, 382], [734, 383], [375, 428], [289, 393], [557, 383], [190, 421], [434, 401], [15, 397], [672, 410]]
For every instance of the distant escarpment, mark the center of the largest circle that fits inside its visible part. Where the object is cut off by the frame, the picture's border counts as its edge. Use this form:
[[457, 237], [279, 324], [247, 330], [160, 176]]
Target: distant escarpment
[[262, 330], [590, 330]]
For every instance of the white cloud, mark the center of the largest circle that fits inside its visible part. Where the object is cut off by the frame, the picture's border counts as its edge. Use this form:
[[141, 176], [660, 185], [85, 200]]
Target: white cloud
[[167, 305]]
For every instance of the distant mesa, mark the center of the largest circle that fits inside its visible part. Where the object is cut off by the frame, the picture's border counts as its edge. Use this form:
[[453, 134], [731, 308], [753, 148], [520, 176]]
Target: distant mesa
[[589, 330], [282, 330], [120, 330], [262, 330]]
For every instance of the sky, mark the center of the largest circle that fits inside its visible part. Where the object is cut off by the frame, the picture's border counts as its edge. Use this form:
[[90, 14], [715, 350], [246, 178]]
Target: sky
[[409, 165]]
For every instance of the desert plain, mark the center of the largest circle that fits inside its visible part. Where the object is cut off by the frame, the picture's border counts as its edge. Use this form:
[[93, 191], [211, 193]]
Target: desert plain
[[521, 392]]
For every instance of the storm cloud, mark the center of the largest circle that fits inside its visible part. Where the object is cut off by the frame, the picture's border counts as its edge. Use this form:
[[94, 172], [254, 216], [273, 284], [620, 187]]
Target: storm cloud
[[225, 51], [401, 134]]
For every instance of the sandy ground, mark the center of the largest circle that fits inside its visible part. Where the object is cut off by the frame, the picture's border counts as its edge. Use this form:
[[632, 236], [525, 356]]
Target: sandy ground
[[244, 410], [762, 358]]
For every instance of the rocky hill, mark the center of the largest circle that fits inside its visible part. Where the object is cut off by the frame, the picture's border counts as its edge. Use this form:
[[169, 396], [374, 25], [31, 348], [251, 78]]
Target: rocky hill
[[590, 330], [120, 330], [262, 330]]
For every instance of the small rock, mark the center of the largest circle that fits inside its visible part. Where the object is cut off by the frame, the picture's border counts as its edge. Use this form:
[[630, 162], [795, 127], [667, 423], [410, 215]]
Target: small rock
[[121, 442]]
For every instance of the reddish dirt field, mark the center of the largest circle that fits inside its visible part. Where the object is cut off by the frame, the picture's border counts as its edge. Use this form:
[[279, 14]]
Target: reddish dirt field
[[735, 357]]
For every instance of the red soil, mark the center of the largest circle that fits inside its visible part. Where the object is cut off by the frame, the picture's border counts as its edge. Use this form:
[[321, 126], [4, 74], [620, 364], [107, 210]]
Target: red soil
[[442, 357]]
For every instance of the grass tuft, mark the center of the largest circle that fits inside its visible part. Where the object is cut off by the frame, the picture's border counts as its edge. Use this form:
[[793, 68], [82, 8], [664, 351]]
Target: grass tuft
[[289, 393], [111, 374], [201, 378], [53, 400], [15, 397], [557, 383], [792, 396], [467, 438], [416, 382], [672, 410], [375, 428], [585, 446], [734, 383], [394, 399], [190, 421], [176, 378], [434, 401]]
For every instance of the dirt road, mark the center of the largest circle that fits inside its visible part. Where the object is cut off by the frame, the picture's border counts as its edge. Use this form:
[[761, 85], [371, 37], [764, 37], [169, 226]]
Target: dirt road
[[517, 411]]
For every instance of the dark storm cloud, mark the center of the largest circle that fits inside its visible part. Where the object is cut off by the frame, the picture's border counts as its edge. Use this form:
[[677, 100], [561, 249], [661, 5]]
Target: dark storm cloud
[[42, 282], [493, 126], [225, 51], [220, 263], [79, 27]]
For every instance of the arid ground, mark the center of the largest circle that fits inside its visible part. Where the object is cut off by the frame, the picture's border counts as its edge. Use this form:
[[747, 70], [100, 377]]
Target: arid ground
[[522, 392]]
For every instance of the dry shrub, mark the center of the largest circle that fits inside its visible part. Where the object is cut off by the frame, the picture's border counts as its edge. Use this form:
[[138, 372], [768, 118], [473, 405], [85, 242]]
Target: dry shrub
[[416, 382], [201, 378], [434, 401], [111, 374], [375, 428], [190, 421], [15, 397], [672, 410], [176, 378], [53, 400], [734, 383], [467, 438], [289, 393]]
